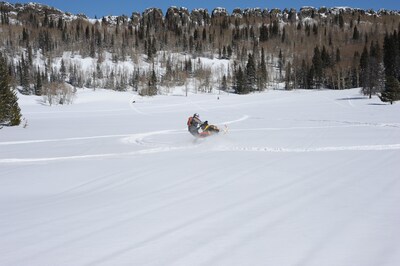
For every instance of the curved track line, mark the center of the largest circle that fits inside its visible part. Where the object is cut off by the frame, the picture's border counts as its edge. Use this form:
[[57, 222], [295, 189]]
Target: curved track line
[[245, 117], [136, 137], [58, 140], [89, 156]]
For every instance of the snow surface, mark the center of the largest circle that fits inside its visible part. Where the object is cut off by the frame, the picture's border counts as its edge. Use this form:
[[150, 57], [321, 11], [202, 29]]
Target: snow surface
[[301, 178]]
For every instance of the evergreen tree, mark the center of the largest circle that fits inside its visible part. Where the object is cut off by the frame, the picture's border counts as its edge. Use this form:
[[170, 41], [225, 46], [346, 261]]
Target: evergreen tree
[[372, 71], [310, 79], [356, 34], [153, 83], [224, 83], [99, 72], [302, 75], [10, 113], [317, 67], [364, 68], [188, 66], [355, 71], [168, 76], [24, 75], [153, 46], [262, 77], [315, 29], [391, 55], [73, 76], [263, 33], [229, 50], [338, 57], [391, 92], [288, 77], [250, 73], [135, 80], [38, 85], [110, 82], [224, 53], [274, 28], [326, 58], [240, 87], [280, 64], [63, 71], [391, 60]]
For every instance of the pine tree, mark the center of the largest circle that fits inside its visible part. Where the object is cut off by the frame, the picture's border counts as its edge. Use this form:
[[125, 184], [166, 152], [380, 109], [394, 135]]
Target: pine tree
[[392, 90], [229, 50], [63, 71], [364, 68], [372, 72], [38, 85], [288, 77], [10, 113], [326, 58], [317, 67], [153, 83], [263, 33], [310, 81], [302, 75], [356, 34], [280, 64], [391, 55], [224, 83], [250, 73], [73, 76], [274, 28], [24, 75], [240, 87], [262, 77], [149, 50], [338, 57]]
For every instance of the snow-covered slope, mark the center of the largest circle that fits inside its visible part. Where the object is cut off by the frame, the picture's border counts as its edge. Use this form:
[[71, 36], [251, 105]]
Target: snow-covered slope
[[302, 178]]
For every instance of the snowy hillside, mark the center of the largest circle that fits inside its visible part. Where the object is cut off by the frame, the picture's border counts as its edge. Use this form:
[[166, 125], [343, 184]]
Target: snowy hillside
[[302, 178]]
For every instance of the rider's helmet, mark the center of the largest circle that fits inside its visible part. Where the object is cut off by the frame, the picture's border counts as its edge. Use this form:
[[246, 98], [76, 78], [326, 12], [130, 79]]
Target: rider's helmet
[[196, 115]]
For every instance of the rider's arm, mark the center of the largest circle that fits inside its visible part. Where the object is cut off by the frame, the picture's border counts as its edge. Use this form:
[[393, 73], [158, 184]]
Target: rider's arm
[[197, 122]]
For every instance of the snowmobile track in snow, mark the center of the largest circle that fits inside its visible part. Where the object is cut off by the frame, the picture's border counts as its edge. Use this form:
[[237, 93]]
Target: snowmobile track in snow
[[156, 149], [155, 145]]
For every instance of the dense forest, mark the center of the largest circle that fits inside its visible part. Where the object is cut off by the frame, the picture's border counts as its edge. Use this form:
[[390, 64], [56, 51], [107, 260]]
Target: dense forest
[[333, 48]]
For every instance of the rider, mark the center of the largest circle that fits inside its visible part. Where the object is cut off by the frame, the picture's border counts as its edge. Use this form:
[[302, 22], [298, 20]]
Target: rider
[[194, 124]]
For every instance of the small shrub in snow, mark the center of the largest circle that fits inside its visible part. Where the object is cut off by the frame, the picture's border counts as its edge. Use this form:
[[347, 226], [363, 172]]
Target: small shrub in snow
[[58, 93]]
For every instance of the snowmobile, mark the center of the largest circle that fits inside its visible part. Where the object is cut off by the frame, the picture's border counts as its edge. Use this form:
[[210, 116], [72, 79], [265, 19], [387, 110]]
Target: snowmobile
[[208, 130]]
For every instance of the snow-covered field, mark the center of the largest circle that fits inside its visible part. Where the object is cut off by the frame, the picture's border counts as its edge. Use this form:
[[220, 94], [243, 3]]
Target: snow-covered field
[[305, 178]]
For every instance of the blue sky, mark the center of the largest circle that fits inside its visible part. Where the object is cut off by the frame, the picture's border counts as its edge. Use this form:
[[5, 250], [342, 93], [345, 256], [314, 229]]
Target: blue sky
[[101, 8]]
